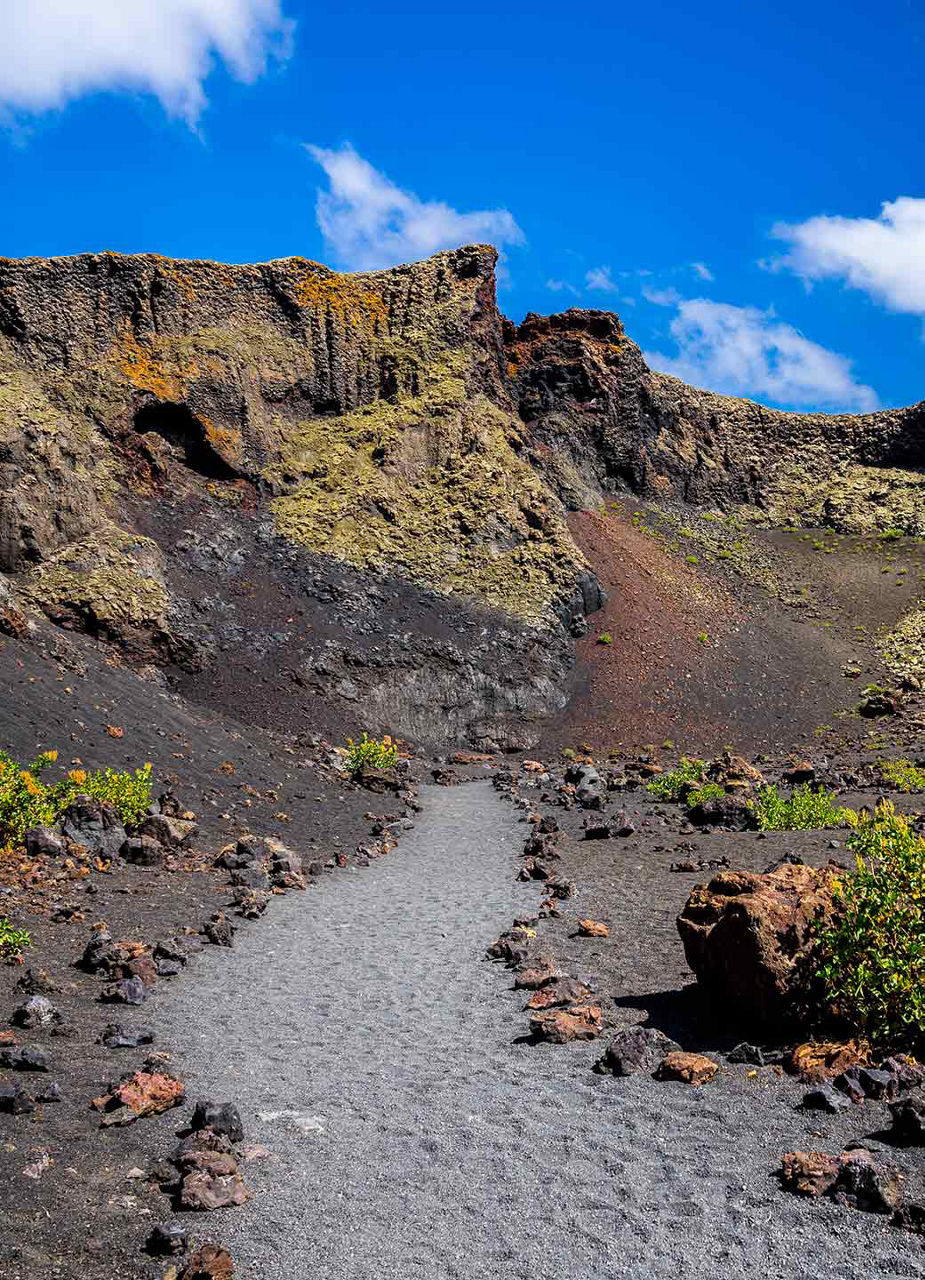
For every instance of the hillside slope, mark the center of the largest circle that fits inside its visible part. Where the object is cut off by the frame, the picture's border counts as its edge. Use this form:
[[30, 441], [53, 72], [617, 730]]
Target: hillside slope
[[334, 500]]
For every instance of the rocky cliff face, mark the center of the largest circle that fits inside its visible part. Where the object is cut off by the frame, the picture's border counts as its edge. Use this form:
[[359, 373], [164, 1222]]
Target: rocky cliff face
[[316, 496]]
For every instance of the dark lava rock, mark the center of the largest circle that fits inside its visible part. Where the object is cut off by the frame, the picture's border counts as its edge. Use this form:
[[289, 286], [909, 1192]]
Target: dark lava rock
[[143, 851], [849, 1083], [114, 1036], [747, 1053], [911, 1217], [874, 1186], [732, 812], [250, 904], [877, 704], [93, 824], [254, 876], [220, 930], [909, 1120], [635, 1049], [167, 831], [825, 1098], [246, 853], [37, 1011], [378, 781], [171, 950], [167, 1239], [220, 1117], [124, 991], [44, 842], [37, 983], [50, 1092], [14, 1101], [24, 1059], [880, 1085]]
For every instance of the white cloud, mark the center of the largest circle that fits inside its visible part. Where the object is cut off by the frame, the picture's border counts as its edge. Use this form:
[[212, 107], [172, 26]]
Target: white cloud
[[661, 297], [885, 256], [600, 278], [369, 222], [58, 50], [561, 286], [745, 351], [702, 271]]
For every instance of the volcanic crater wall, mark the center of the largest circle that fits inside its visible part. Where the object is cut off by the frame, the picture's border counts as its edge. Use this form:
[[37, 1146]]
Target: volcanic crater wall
[[320, 497]]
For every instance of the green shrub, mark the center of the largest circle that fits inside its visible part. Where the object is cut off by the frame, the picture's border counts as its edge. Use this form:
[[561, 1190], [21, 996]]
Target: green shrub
[[605, 638], [903, 774], [370, 753], [670, 786], [805, 810], [12, 941], [709, 791], [872, 953], [26, 800]]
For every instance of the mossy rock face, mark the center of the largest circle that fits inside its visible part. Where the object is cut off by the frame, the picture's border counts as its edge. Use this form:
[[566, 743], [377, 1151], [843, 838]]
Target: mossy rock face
[[903, 649], [390, 419], [110, 584]]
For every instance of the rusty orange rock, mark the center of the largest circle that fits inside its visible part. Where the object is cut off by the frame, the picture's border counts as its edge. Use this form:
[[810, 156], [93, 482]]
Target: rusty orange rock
[[593, 929], [689, 1068], [559, 1026], [818, 1061]]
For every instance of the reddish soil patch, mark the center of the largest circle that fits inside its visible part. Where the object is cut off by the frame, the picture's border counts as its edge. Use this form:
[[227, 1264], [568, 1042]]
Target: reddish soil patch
[[696, 655]]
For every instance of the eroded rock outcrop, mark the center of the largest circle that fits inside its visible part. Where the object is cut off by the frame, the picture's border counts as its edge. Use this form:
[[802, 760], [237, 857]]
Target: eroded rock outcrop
[[352, 489], [748, 939]]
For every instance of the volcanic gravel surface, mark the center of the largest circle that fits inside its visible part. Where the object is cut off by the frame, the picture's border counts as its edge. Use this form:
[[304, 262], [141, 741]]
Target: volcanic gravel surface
[[413, 1133]]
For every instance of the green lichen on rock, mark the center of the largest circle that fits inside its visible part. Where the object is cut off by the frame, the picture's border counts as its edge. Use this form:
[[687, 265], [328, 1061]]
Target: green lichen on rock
[[848, 497], [111, 580], [903, 649], [432, 486]]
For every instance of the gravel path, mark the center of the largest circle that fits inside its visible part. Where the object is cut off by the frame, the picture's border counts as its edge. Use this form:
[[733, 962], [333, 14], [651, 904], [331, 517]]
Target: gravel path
[[426, 1144]]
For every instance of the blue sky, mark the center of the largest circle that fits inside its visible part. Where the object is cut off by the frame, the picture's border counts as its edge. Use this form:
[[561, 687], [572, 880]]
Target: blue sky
[[744, 184]]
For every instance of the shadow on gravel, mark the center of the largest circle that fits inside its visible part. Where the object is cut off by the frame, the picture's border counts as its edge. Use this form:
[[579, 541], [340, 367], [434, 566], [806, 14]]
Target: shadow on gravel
[[683, 1015]]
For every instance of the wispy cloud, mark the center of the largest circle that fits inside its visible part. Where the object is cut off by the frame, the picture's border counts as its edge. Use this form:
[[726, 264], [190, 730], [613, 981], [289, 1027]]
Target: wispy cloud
[[369, 222], [600, 279], [745, 351], [661, 297], [884, 256], [562, 286], [58, 50], [702, 271]]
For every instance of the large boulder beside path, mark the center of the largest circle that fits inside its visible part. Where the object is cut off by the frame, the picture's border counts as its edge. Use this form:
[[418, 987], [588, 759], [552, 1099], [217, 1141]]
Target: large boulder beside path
[[749, 939]]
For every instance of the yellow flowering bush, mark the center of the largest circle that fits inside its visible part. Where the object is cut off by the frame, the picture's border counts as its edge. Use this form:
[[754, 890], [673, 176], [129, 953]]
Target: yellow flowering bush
[[26, 800], [370, 753]]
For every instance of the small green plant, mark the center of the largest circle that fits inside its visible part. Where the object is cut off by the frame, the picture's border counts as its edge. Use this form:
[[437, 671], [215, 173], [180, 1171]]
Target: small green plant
[[903, 774], [890, 535], [671, 786], [692, 560], [13, 942], [370, 753], [805, 810], [26, 800], [703, 638], [709, 791], [605, 638], [872, 953]]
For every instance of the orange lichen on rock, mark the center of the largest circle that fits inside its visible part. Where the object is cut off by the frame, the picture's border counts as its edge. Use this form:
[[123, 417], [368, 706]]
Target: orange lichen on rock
[[146, 371], [323, 290]]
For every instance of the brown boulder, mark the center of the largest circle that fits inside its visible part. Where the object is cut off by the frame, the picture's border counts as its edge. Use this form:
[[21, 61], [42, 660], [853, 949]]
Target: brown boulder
[[559, 1026], [593, 929], [818, 1061], [689, 1068], [809, 1173], [209, 1262], [748, 939]]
